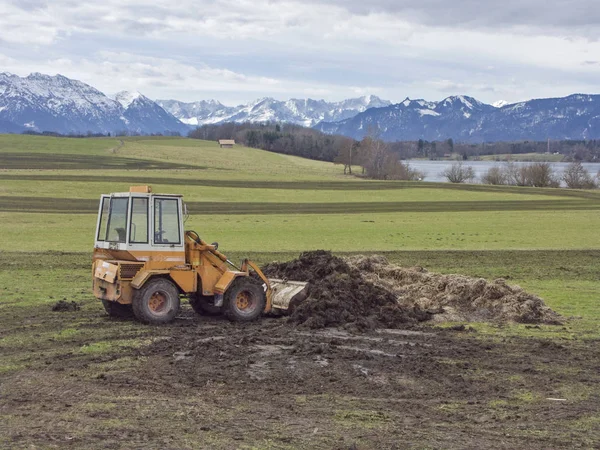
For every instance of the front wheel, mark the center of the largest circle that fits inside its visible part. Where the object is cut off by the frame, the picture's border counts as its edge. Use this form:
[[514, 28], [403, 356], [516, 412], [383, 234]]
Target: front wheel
[[157, 302], [245, 300]]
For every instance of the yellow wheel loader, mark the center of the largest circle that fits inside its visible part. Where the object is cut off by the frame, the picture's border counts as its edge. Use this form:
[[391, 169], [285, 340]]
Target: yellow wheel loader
[[144, 262]]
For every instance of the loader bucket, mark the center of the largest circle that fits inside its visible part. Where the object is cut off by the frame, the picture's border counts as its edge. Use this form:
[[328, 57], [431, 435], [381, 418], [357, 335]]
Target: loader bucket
[[286, 294]]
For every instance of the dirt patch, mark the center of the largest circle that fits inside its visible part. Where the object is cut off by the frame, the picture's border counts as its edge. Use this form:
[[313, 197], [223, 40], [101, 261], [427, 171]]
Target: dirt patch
[[64, 306], [367, 292]]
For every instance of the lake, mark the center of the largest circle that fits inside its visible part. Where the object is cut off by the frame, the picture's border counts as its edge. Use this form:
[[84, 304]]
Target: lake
[[432, 169]]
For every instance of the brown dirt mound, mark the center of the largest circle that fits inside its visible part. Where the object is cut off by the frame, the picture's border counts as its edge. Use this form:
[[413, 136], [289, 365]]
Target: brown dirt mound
[[369, 292], [339, 295], [456, 297], [63, 305]]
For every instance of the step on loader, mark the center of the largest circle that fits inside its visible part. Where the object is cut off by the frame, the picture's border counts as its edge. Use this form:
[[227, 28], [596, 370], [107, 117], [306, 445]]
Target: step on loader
[[144, 262]]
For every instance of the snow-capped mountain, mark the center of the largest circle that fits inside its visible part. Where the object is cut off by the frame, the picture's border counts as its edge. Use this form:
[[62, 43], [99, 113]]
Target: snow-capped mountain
[[56, 103], [42, 102], [195, 113], [306, 112], [141, 115], [466, 119]]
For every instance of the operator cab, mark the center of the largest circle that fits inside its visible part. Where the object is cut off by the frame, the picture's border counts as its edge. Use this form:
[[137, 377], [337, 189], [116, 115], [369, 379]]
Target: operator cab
[[140, 220]]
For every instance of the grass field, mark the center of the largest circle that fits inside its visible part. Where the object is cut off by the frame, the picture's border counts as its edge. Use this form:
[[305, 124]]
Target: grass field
[[260, 202], [268, 207], [525, 157]]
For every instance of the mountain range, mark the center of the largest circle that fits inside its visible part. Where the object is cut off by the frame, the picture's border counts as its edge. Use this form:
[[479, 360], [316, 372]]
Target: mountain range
[[466, 119], [305, 112], [41, 102]]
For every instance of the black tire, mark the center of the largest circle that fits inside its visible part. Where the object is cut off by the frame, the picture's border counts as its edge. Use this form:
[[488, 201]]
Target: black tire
[[117, 310], [245, 300], [203, 305], [157, 302]]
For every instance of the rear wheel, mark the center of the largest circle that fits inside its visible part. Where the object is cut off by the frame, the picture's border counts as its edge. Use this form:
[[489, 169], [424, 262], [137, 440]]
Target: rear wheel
[[245, 300], [156, 302], [204, 305], [116, 309]]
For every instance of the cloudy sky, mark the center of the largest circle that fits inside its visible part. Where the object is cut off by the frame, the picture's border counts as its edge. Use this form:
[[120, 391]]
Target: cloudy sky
[[240, 50]]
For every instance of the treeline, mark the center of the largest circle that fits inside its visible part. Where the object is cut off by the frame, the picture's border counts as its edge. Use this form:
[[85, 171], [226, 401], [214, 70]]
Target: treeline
[[373, 155], [274, 137], [585, 151]]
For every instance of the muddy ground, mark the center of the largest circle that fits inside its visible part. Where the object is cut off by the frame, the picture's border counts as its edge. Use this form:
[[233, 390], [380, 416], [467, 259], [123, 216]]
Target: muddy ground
[[206, 383]]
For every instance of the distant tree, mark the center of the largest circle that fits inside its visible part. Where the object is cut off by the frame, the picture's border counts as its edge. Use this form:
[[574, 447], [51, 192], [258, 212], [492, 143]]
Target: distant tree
[[375, 158], [345, 148], [517, 175], [542, 175], [459, 173], [398, 170], [576, 176], [495, 175], [421, 147]]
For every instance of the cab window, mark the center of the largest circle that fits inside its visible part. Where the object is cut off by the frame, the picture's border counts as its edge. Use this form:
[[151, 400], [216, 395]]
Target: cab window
[[138, 233], [166, 221], [117, 220], [103, 219]]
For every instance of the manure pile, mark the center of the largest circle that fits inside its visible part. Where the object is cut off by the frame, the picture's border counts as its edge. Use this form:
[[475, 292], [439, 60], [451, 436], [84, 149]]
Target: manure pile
[[368, 292]]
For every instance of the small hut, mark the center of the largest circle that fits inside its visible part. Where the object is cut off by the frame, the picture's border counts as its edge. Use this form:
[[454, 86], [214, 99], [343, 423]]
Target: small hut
[[226, 143]]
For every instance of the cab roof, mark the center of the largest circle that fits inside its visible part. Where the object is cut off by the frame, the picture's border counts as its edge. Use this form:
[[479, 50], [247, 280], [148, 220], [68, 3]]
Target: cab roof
[[142, 190], [142, 194]]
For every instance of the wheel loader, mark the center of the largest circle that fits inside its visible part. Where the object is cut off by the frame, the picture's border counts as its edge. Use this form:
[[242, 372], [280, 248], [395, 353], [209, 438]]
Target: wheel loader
[[144, 262]]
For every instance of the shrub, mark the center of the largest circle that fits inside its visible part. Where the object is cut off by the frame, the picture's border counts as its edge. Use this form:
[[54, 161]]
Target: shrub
[[458, 173], [495, 175], [576, 176]]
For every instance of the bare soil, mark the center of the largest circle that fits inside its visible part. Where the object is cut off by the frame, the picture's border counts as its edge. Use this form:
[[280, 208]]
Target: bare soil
[[207, 383], [64, 305], [78, 379]]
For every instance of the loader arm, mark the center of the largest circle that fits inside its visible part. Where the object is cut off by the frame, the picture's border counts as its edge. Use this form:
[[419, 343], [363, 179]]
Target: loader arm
[[269, 291]]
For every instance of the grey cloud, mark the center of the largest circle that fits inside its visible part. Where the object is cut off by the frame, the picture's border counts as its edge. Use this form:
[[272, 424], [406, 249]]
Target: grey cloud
[[28, 5], [142, 28], [541, 14]]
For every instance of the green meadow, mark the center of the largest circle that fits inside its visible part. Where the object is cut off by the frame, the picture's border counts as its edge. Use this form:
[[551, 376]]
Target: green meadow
[[69, 374], [256, 203]]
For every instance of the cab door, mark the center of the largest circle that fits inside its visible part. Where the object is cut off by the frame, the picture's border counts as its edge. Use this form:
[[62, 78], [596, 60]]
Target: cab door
[[139, 223], [167, 229]]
